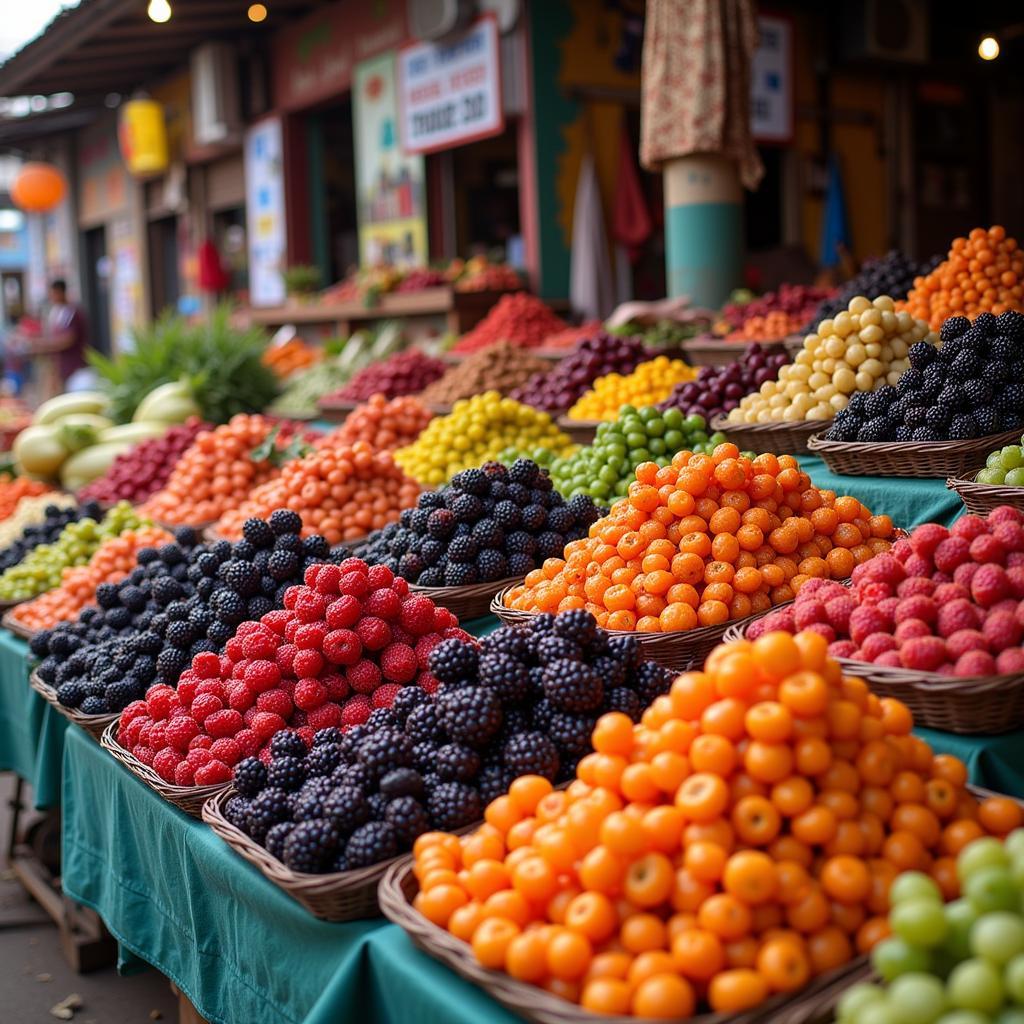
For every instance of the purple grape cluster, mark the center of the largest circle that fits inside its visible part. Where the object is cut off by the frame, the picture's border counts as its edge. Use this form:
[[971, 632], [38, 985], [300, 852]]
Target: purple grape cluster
[[717, 389], [557, 389]]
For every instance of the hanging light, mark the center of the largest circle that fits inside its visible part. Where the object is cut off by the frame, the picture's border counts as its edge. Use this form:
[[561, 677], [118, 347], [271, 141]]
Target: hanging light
[[257, 12], [38, 188], [988, 48], [159, 11]]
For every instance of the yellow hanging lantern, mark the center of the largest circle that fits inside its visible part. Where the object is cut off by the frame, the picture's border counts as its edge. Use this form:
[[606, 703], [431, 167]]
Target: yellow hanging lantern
[[143, 137], [38, 188]]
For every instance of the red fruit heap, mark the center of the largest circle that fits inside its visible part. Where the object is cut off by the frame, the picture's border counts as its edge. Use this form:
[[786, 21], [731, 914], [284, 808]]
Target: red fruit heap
[[943, 600], [404, 373], [344, 644], [518, 318]]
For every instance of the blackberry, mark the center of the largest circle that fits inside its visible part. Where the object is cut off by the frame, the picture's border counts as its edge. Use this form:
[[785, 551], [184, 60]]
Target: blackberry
[[407, 698], [571, 733], [241, 577], [120, 694], [515, 641], [492, 783], [456, 763], [916, 416], [431, 551], [453, 805], [453, 661], [507, 515], [289, 542], [287, 744], [407, 819], [921, 355], [611, 670], [462, 549], [441, 524], [531, 753], [243, 551], [576, 625], [323, 759], [177, 611], [205, 588], [572, 685], [118, 618], [471, 715], [170, 663], [521, 542], [553, 648], [651, 681], [166, 589], [267, 809], [377, 804], [329, 735], [258, 533], [106, 595], [1011, 324], [533, 517], [276, 838], [250, 776], [316, 546], [520, 565], [311, 846], [179, 634], [488, 534], [402, 782], [71, 694], [962, 428], [423, 724], [133, 598], [491, 565], [523, 471], [381, 718], [424, 758], [283, 565], [410, 566], [287, 773], [938, 417], [510, 679], [623, 699], [430, 500], [308, 806], [1010, 398], [954, 327], [219, 633], [472, 481], [345, 807], [385, 750], [879, 401], [229, 606], [283, 521], [467, 508], [904, 433], [236, 810], [550, 545], [432, 577]]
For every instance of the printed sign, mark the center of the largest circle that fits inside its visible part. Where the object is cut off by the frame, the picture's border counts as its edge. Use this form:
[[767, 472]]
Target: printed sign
[[771, 81], [450, 92], [264, 208]]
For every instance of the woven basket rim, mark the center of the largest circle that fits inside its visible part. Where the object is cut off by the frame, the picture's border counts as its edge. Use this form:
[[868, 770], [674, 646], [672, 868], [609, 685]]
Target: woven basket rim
[[803, 426], [469, 589], [715, 343], [94, 724], [10, 622], [821, 443], [565, 421]]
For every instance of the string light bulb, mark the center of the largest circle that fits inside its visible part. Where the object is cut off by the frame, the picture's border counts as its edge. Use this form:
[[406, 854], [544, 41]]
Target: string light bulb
[[257, 12], [988, 48], [159, 11]]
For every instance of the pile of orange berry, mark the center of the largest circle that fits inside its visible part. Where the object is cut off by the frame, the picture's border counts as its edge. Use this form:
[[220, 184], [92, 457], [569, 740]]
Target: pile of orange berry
[[13, 489], [703, 540], [983, 272], [342, 492], [112, 561], [738, 842], [773, 326], [383, 424]]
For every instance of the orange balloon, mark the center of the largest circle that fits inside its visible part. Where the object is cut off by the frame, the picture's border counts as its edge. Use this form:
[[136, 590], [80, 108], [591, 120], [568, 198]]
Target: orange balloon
[[38, 188]]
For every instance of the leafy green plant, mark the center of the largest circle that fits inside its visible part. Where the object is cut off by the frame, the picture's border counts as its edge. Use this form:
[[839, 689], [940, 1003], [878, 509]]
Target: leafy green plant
[[301, 279], [221, 363]]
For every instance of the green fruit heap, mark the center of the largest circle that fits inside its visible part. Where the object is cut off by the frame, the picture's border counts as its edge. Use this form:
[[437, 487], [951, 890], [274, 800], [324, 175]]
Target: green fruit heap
[[1004, 466], [605, 469]]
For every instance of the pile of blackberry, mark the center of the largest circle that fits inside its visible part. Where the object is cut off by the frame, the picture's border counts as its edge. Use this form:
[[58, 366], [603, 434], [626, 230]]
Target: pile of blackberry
[[971, 386], [46, 532], [486, 525], [524, 701], [181, 599], [892, 274]]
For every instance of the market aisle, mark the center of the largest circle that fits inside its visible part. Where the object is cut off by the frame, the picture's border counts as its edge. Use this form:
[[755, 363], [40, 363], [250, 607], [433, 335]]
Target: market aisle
[[35, 976]]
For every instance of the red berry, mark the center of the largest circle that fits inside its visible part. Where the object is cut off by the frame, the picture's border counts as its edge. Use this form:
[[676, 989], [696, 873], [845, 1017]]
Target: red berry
[[180, 730], [324, 717], [809, 611], [265, 724], [234, 649], [353, 583], [278, 619], [398, 663], [374, 633], [212, 773], [336, 685], [310, 636], [206, 665], [925, 539], [919, 607], [876, 644], [199, 756], [986, 548], [427, 682], [165, 761], [343, 612], [285, 658], [916, 586], [261, 644], [990, 585], [379, 576], [307, 663], [842, 649], [356, 710], [200, 742], [964, 640], [925, 653], [223, 723], [291, 596], [974, 663], [262, 675], [276, 701], [184, 774], [363, 677], [384, 696], [310, 606], [1010, 661], [424, 646], [969, 527], [327, 579], [342, 647], [161, 701], [309, 694], [1001, 630], [227, 750], [248, 742], [384, 603], [953, 551], [864, 621]]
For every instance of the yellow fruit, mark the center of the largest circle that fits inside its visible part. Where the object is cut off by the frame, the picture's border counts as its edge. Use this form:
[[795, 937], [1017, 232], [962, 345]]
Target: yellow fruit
[[649, 384]]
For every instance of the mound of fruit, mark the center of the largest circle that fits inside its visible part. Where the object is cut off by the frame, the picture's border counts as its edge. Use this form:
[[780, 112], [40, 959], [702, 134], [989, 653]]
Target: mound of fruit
[[291, 356], [962, 961], [518, 318], [970, 387], [345, 641], [13, 489], [31, 512], [662, 882], [501, 367], [341, 491], [703, 540], [57, 512], [182, 599], [1004, 466], [145, 468], [475, 431], [486, 525], [555, 389], [404, 373], [648, 384], [798, 301], [40, 570], [863, 348], [947, 601], [478, 274], [112, 561], [770, 327], [983, 273], [382, 424], [570, 337], [426, 759], [605, 469], [717, 390]]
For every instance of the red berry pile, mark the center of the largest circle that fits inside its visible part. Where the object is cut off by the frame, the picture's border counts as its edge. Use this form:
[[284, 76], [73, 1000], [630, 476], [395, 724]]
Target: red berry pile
[[404, 373], [144, 469], [943, 600], [797, 300], [518, 318], [344, 645]]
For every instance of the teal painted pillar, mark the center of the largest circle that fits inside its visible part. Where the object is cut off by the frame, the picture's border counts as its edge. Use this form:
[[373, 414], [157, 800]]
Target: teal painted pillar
[[703, 228]]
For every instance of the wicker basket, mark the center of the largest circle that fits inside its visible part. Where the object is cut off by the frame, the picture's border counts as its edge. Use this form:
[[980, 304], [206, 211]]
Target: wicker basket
[[398, 886], [931, 459], [336, 410], [787, 437], [982, 498], [94, 725], [707, 350], [469, 602], [12, 625], [189, 799], [579, 431]]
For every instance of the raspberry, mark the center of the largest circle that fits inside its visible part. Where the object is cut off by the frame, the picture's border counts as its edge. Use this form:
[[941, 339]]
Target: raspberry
[[839, 609], [947, 592], [965, 573], [157, 738], [310, 606], [327, 579], [384, 696], [128, 736], [227, 750], [363, 677], [343, 612], [355, 710], [807, 612], [1014, 577], [261, 676], [417, 615], [876, 644], [864, 621], [427, 681], [310, 575], [212, 773], [379, 576], [919, 607], [353, 583], [200, 742], [240, 697], [165, 761], [307, 663], [199, 756], [206, 665], [374, 633], [336, 686], [205, 705], [1001, 630], [956, 615], [964, 640], [424, 646], [265, 724], [398, 663], [911, 629], [284, 658], [924, 653], [975, 663], [901, 550], [1010, 661], [383, 603], [916, 586], [989, 585], [180, 731], [869, 593], [275, 701], [248, 742], [842, 649], [291, 597], [184, 774], [918, 566], [883, 568], [277, 620], [953, 551], [223, 723], [214, 686], [1004, 514], [238, 670], [310, 637], [969, 527], [233, 649], [309, 694], [890, 658], [812, 586], [925, 539], [161, 701], [987, 548], [342, 647], [261, 644], [247, 628], [324, 717], [822, 629]]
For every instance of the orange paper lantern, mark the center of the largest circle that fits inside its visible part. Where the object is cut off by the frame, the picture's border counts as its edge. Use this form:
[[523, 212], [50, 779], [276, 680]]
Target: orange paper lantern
[[38, 188]]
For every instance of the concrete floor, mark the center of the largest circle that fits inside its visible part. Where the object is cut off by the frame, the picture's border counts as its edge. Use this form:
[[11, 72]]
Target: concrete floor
[[35, 977]]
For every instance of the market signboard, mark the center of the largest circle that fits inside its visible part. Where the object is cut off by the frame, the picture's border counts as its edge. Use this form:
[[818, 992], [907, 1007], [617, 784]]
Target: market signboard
[[771, 81], [449, 92], [264, 210]]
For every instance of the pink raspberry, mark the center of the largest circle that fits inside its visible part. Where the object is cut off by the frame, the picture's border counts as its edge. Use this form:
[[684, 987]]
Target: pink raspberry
[[969, 527], [822, 629], [842, 649], [200, 742], [199, 756], [986, 548], [883, 568], [956, 615], [324, 717], [291, 597], [871, 592], [1008, 604], [265, 724], [965, 573], [379, 576], [309, 694], [179, 731], [206, 665], [374, 633], [890, 659], [920, 607], [275, 701], [1004, 514], [923, 653], [343, 612], [424, 646], [916, 565], [1015, 579], [1001, 630], [428, 682], [261, 676], [363, 677], [953, 551], [813, 585], [223, 723], [946, 592], [225, 666], [901, 550], [808, 611], [990, 585], [974, 663], [327, 580], [353, 583], [307, 663], [839, 609], [1010, 661], [342, 647], [398, 663], [401, 587], [184, 774], [205, 705], [161, 701], [213, 773], [876, 644], [336, 685], [864, 621], [261, 644], [299, 718], [234, 649], [384, 696], [227, 750], [353, 564], [1009, 534], [165, 761], [888, 609], [938, 578], [277, 620], [911, 629], [417, 615], [925, 539], [916, 586], [248, 742], [356, 710], [384, 603], [964, 640], [310, 636], [240, 697], [238, 671]]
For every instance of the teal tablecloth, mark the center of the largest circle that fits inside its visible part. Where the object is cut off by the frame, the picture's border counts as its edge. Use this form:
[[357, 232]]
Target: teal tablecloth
[[31, 732]]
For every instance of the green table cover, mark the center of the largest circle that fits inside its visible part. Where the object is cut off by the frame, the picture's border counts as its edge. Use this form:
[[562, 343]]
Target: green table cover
[[31, 732]]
